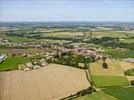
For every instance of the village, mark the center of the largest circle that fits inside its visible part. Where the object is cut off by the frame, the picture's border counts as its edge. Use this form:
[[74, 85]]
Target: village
[[47, 51]]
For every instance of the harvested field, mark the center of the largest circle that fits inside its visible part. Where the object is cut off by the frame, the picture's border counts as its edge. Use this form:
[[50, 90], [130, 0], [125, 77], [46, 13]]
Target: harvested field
[[126, 65], [114, 68], [52, 82]]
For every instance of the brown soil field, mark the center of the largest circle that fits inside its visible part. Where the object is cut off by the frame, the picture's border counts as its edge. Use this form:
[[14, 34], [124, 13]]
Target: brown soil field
[[114, 68], [52, 82]]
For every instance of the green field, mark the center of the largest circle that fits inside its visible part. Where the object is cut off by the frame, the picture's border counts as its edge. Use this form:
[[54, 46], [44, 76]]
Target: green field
[[112, 34], [120, 54], [106, 81], [16, 39], [110, 94], [11, 63], [96, 96], [127, 40], [63, 34], [121, 93]]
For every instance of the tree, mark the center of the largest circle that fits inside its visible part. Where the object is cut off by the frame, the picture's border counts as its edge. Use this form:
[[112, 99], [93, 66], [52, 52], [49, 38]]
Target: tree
[[132, 82], [105, 65]]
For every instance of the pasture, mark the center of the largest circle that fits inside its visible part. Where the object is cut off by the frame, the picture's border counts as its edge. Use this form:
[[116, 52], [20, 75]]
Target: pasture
[[106, 81], [118, 54], [121, 93], [11, 63], [52, 82], [96, 96]]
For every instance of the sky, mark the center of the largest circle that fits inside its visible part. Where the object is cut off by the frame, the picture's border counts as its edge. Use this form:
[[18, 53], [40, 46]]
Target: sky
[[66, 10]]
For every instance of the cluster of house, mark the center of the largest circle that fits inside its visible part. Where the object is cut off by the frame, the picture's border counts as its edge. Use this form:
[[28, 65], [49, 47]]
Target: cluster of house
[[32, 65], [2, 57], [50, 52], [9, 43], [84, 51], [89, 52], [51, 49], [5, 42]]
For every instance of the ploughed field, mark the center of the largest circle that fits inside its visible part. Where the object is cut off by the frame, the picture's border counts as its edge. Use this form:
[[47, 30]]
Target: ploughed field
[[52, 82]]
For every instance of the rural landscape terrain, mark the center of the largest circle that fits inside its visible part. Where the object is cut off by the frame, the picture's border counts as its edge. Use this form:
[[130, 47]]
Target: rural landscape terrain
[[66, 49], [67, 61]]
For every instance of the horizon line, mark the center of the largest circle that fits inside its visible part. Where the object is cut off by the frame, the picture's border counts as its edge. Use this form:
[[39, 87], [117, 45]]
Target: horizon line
[[66, 21]]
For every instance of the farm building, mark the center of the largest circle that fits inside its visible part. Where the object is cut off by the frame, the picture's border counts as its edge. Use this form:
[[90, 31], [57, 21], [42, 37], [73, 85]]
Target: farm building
[[2, 57]]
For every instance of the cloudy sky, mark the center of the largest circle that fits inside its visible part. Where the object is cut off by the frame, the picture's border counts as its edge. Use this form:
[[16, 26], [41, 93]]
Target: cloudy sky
[[66, 10]]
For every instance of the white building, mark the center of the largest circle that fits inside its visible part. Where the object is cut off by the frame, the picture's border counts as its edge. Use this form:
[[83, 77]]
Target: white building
[[2, 57]]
